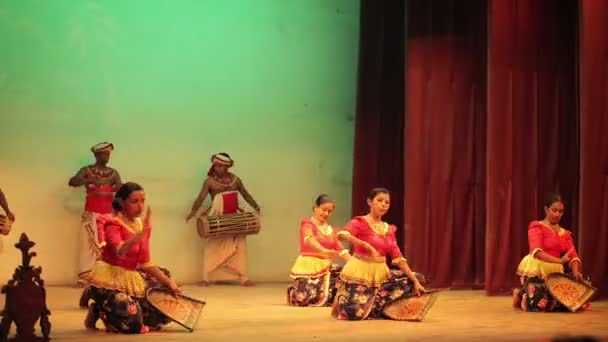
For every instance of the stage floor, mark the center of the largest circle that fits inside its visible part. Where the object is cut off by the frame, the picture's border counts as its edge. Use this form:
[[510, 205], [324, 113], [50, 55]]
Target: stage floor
[[259, 313]]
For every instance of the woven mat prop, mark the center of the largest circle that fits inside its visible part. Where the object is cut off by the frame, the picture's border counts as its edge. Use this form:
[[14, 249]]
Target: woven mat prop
[[570, 292], [411, 308], [181, 309]]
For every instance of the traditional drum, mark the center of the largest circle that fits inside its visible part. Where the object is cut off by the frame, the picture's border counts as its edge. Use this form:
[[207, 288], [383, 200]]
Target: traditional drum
[[5, 225], [570, 292], [228, 225], [181, 309]]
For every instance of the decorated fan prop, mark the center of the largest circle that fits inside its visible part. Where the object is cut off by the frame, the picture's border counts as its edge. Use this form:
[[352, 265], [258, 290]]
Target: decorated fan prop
[[227, 225], [181, 309], [411, 308], [569, 291]]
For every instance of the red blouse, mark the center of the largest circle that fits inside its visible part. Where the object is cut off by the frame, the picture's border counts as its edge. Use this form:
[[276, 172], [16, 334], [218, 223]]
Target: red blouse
[[99, 199], [309, 229], [384, 242], [115, 233], [542, 238]]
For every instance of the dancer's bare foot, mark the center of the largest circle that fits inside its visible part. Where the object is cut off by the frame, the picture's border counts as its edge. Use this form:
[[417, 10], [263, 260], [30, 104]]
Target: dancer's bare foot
[[517, 298], [90, 320], [90, 325], [247, 283], [106, 326], [84, 298]]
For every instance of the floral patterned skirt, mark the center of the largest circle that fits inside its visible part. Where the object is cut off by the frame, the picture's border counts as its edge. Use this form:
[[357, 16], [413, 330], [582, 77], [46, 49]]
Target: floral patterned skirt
[[358, 302], [535, 297], [122, 313], [314, 291]]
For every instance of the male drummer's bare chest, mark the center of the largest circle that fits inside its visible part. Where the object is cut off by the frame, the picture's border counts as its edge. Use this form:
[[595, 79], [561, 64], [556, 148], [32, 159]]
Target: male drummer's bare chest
[[101, 173], [216, 187]]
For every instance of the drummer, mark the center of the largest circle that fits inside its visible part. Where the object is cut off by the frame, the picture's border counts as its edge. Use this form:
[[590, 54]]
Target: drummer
[[225, 257], [100, 182], [7, 211]]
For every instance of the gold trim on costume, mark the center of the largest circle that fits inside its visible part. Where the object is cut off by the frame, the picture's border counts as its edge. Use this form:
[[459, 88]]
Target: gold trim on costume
[[344, 251], [370, 258], [325, 229], [546, 225], [378, 231], [110, 277], [533, 267], [344, 232], [536, 250], [363, 272], [138, 228], [309, 266], [318, 255], [398, 260]]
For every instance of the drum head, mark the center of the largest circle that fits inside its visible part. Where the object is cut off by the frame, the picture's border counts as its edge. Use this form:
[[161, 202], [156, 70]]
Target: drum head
[[181, 309], [202, 226], [569, 291]]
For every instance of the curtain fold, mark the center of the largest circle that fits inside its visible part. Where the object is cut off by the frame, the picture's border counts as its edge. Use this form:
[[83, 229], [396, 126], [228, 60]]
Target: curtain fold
[[471, 112]]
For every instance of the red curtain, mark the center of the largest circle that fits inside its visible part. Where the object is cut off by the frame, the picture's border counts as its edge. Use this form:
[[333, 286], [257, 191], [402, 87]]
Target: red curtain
[[378, 146], [593, 212], [444, 140], [473, 111], [532, 126]]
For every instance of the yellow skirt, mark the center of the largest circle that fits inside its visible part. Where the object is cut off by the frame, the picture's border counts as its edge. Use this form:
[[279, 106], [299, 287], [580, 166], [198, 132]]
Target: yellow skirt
[[368, 273], [534, 267], [308, 266], [110, 277]]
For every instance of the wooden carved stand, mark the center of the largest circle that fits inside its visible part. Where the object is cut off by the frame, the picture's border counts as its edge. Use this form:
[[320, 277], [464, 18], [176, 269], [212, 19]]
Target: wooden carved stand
[[25, 299]]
